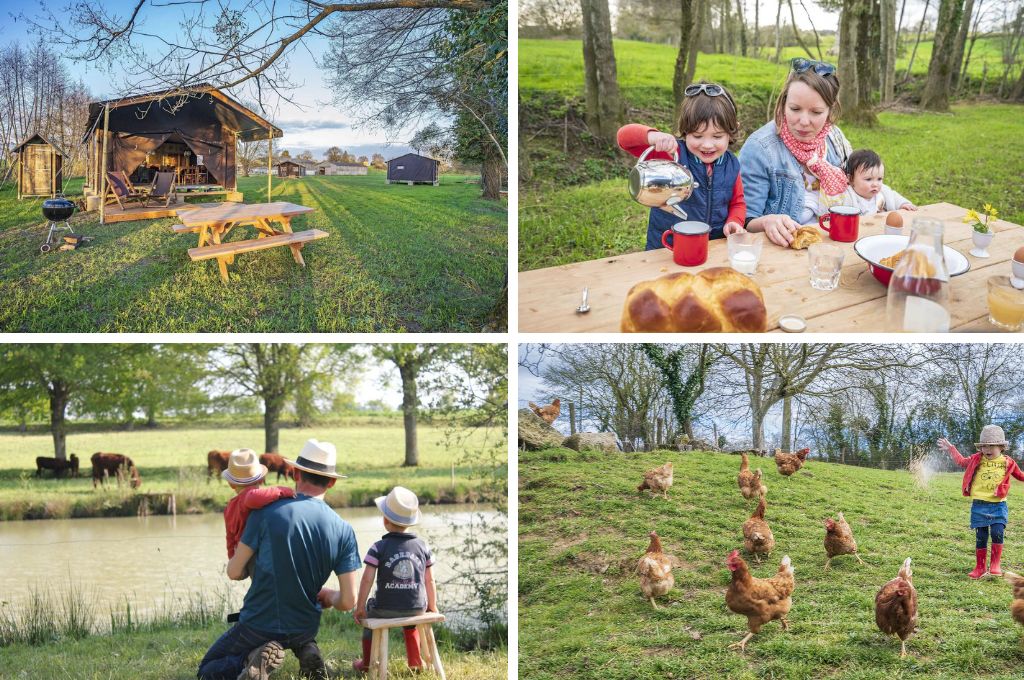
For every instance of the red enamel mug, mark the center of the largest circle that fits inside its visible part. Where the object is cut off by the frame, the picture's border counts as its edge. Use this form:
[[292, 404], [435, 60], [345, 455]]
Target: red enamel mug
[[689, 243], [842, 223]]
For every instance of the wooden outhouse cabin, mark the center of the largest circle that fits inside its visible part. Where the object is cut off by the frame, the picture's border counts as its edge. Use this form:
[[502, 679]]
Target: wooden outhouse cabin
[[40, 167], [290, 169], [412, 168]]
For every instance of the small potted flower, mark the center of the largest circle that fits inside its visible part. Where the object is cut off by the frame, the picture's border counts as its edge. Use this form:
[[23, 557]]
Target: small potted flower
[[981, 236]]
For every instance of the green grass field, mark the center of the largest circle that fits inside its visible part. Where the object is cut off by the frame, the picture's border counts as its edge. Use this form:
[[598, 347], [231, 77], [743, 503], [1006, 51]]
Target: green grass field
[[173, 652], [398, 258], [174, 460], [583, 524]]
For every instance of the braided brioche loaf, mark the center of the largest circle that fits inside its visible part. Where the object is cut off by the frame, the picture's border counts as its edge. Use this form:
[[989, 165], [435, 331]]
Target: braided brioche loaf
[[716, 300]]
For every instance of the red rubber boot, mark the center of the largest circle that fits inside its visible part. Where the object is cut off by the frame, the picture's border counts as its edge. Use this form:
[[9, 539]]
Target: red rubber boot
[[997, 554], [412, 649], [363, 665], [979, 569]]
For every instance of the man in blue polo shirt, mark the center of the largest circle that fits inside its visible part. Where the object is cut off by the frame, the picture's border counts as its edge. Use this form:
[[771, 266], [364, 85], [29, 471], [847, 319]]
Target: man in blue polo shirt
[[294, 545]]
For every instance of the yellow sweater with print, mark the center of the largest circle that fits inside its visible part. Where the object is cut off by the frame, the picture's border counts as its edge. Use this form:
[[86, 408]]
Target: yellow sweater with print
[[990, 473]]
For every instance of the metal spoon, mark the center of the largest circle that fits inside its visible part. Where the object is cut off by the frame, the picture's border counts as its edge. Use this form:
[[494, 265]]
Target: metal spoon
[[584, 307]]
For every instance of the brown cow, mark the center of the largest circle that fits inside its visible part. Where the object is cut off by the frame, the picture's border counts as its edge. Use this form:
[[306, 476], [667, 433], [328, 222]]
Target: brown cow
[[106, 464], [58, 466], [276, 463], [216, 463]]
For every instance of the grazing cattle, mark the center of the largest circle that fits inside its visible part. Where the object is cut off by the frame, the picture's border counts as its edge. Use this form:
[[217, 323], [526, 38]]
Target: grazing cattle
[[276, 463], [113, 464], [58, 466], [216, 463]]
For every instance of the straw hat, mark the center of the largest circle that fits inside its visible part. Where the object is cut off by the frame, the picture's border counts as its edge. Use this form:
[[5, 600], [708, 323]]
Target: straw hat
[[400, 506], [318, 458], [992, 435], [244, 467]]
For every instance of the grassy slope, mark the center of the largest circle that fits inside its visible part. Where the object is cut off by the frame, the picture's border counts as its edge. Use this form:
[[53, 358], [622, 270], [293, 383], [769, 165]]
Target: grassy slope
[[582, 524], [175, 460], [399, 258], [174, 654], [925, 154]]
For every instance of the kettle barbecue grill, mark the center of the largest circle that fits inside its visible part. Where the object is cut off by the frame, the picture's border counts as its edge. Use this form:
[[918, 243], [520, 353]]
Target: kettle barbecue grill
[[56, 210]]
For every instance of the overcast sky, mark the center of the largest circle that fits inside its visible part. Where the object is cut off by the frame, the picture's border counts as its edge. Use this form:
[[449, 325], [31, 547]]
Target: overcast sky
[[313, 123]]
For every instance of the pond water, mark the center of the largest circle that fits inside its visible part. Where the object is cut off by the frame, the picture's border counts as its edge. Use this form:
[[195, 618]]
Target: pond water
[[157, 563]]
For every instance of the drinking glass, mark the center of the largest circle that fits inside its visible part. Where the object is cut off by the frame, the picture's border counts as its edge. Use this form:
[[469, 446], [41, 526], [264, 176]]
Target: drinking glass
[[745, 251], [1005, 304], [826, 263]]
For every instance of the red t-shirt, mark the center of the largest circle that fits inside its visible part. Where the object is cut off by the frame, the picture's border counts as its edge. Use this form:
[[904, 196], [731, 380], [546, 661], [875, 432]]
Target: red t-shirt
[[239, 507]]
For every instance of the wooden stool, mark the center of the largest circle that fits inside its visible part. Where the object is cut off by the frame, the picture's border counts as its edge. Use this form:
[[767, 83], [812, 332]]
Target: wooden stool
[[379, 644]]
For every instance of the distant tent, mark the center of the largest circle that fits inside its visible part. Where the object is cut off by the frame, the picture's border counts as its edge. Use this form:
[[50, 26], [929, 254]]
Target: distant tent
[[41, 167], [412, 168], [338, 168]]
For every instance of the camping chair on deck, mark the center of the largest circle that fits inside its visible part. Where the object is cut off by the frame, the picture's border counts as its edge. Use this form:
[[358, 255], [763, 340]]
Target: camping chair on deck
[[163, 189], [122, 190]]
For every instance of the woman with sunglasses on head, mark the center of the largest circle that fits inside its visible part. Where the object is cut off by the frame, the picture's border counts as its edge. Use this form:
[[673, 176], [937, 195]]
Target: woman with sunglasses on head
[[708, 125], [794, 162]]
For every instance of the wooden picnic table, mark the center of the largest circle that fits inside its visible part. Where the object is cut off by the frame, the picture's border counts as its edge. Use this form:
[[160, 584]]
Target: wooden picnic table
[[271, 220], [548, 297]]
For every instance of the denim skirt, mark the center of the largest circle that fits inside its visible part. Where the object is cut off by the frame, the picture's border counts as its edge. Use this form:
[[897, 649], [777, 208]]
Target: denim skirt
[[985, 514]]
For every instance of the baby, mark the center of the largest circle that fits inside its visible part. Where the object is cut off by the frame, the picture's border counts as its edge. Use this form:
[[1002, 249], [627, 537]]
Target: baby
[[866, 191]]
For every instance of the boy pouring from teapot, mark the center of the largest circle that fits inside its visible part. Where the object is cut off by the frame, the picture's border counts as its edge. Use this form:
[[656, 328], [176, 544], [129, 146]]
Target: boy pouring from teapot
[[708, 125]]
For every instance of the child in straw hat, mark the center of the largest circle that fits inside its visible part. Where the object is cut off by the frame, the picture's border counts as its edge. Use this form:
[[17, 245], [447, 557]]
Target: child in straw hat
[[245, 474], [400, 563], [987, 482]]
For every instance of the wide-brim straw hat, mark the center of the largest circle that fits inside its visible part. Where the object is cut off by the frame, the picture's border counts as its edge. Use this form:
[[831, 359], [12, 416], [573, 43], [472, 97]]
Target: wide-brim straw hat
[[400, 506], [319, 458], [244, 467], [992, 435]]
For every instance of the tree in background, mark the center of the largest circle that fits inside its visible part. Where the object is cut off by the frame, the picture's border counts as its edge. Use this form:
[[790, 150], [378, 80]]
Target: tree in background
[[378, 162], [855, 61], [333, 155], [942, 68], [306, 155], [684, 369], [251, 155], [604, 108]]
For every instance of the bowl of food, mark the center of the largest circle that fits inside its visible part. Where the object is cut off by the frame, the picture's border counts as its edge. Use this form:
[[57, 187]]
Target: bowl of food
[[883, 251]]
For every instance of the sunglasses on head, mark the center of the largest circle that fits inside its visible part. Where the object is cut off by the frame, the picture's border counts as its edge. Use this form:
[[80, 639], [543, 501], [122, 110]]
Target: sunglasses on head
[[710, 89], [800, 65]]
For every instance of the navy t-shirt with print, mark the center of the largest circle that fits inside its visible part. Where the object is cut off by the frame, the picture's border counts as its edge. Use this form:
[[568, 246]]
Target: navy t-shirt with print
[[401, 560]]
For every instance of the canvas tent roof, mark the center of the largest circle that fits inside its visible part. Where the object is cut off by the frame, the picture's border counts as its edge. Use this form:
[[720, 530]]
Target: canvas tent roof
[[178, 108], [36, 135]]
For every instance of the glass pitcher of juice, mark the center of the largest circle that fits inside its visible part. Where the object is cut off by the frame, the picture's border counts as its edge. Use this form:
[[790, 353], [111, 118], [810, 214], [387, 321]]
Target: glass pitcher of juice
[[918, 298]]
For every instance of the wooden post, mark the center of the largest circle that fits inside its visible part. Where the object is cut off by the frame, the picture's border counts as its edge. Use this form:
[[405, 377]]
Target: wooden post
[[103, 163], [572, 418], [270, 159]]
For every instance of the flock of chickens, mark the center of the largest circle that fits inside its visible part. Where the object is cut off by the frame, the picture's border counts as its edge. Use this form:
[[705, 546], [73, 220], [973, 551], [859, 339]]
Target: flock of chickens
[[763, 600]]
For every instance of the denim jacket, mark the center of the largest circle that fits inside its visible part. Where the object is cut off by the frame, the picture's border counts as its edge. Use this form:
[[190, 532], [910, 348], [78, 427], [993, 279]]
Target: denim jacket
[[773, 181]]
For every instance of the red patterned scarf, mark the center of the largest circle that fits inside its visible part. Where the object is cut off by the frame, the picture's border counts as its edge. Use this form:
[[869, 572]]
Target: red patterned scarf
[[813, 156]]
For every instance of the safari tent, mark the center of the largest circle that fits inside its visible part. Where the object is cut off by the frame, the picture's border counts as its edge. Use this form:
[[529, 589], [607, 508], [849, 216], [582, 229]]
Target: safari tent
[[40, 167], [192, 132], [412, 168], [338, 168]]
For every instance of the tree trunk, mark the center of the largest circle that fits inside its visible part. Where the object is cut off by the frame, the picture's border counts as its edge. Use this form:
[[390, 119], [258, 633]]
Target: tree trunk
[[272, 408], [572, 418], [59, 393], [796, 31], [970, 48], [604, 107], [778, 38], [490, 173], [940, 68], [410, 407], [888, 48], [742, 24], [854, 61], [680, 77], [787, 424], [701, 19], [757, 30], [728, 36], [961, 43], [920, 28]]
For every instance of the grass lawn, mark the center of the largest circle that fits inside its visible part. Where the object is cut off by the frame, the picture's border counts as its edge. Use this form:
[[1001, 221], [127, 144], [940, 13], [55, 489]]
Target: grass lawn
[[174, 460], [582, 525], [398, 258], [173, 653]]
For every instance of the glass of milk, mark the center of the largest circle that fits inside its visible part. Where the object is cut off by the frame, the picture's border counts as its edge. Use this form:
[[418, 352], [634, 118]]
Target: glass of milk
[[745, 251]]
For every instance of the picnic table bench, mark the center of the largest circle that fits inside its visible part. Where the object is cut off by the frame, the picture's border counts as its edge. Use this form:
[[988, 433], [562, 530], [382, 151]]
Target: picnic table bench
[[548, 297], [215, 221]]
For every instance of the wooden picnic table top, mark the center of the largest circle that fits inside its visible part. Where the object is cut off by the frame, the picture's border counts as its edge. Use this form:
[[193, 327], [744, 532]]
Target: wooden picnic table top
[[241, 212], [548, 297]]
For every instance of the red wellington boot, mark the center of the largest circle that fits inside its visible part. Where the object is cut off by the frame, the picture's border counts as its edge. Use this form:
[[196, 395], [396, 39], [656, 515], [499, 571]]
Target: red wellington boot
[[979, 569], [412, 648], [363, 665], [997, 554]]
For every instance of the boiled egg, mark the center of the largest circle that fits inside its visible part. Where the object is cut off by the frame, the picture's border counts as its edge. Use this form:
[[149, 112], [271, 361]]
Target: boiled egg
[[894, 219]]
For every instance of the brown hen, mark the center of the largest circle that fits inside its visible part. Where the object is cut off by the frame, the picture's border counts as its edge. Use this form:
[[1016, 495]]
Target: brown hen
[[839, 540], [658, 480], [759, 599], [549, 413], [1017, 606], [788, 463], [750, 482], [896, 607], [757, 535], [655, 569]]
